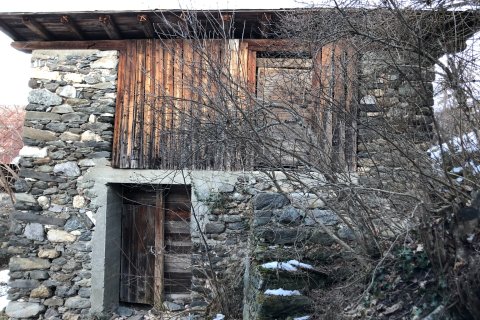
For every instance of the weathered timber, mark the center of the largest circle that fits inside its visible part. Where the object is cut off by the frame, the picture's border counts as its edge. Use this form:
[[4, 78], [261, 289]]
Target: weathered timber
[[29, 46], [146, 25], [37, 28], [67, 21], [110, 27]]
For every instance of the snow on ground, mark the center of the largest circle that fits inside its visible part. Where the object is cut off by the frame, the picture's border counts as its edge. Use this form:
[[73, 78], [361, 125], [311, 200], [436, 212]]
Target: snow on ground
[[3, 289], [282, 292], [219, 316], [292, 265], [300, 264], [466, 143], [279, 265], [302, 318]]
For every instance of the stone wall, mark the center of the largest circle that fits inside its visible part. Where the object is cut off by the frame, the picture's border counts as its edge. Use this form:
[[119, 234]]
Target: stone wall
[[68, 124], [396, 99]]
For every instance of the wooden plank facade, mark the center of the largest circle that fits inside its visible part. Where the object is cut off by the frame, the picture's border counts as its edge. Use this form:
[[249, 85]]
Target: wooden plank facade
[[198, 104]]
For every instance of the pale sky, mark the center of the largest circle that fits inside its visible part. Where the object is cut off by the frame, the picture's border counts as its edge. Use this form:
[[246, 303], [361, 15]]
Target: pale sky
[[15, 65]]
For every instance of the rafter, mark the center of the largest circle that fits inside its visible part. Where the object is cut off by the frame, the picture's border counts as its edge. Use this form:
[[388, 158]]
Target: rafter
[[110, 27], [72, 26], [37, 28], [146, 25]]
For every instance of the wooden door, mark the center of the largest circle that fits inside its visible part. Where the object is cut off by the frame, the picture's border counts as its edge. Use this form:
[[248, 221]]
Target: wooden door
[[156, 245], [137, 260]]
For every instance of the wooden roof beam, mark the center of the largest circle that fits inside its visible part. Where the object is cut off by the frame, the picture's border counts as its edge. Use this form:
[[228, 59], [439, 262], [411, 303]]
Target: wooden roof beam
[[271, 45], [9, 32], [146, 25], [37, 28], [110, 27], [72, 26], [29, 46]]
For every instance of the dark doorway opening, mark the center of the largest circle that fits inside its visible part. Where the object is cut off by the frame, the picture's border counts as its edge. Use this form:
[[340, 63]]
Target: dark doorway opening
[[156, 246]]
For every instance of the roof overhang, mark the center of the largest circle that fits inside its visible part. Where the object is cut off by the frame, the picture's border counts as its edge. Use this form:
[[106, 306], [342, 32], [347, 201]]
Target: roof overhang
[[107, 29], [118, 25]]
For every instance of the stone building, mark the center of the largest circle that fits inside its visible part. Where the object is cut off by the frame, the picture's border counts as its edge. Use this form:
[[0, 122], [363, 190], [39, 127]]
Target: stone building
[[141, 185]]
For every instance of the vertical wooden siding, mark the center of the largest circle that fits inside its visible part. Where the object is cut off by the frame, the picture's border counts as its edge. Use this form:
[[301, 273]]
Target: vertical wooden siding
[[162, 118], [178, 100], [334, 86]]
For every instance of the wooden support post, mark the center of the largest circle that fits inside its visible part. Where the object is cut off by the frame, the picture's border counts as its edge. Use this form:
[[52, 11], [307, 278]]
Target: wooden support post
[[146, 25], [72, 26], [37, 28], [110, 27]]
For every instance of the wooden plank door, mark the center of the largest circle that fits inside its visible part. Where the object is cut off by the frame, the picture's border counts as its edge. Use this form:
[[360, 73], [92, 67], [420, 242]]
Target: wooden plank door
[[138, 253]]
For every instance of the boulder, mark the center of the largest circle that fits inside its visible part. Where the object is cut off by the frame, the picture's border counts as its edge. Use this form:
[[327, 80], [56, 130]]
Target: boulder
[[41, 292], [270, 200], [34, 231], [48, 253], [22, 264], [306, 200], [16, 309], [67, 92], [63, 108], [39, 135], [77, 303], [69, 169], [44, 97], [60, 236], [215, 227]]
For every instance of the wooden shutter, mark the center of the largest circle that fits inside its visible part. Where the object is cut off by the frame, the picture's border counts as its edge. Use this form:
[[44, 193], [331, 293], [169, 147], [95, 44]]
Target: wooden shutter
[[162, 116]]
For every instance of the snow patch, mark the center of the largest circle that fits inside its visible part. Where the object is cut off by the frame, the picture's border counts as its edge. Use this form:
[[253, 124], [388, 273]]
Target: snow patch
[[33, 152], [475, 167], [457, 170], [466, 143], [302, 318], [91, 217], [282, 292], [300, 264], [279, 265], [4, 278], [219, 316], [292, 265]]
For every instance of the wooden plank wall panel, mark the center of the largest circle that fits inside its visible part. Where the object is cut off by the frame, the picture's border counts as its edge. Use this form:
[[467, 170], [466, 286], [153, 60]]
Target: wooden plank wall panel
[[333, 117], [165, 114], [173, 114]]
